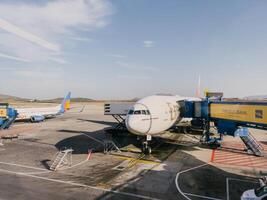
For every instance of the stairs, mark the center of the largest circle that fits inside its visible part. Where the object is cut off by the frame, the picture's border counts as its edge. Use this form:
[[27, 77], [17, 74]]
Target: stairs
[[110, 146], [252, 145], [8, 122], [62, 158]]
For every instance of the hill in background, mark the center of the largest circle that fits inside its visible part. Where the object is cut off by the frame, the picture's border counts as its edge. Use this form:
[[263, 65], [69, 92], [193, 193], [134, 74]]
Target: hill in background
[[9, 98], [14, 98]]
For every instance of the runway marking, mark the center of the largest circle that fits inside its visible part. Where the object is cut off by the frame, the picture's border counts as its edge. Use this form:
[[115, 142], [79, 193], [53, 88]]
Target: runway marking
[[25, 166], [80, 163], [200, 196], [179, 189], [139, 160], [32, 173], [80, 185], [235, 179]]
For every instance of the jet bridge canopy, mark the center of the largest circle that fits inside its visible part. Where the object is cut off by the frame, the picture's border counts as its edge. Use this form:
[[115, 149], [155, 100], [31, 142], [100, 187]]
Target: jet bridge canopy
[[243, 113]]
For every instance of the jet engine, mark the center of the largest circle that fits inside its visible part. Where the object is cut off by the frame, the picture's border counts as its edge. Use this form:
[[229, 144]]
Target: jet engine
[[37, 118]]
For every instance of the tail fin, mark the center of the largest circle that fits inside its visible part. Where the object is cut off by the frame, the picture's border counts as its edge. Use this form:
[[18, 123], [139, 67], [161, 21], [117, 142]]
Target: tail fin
[[198, 93], [65, 105]]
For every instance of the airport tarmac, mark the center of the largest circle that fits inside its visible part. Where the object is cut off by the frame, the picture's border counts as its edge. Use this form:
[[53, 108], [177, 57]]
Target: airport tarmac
[[182, 169]]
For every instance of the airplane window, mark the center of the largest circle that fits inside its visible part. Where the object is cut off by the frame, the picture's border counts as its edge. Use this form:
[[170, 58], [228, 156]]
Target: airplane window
[[137, 112], [130, 112], [143, 112], [148, 113]]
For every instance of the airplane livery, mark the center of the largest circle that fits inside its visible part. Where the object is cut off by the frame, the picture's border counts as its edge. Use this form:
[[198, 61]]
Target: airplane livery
[[39, 114]]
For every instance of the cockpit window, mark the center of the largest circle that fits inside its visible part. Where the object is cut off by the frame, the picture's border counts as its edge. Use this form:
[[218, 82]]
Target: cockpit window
[[137, 112], [130, 112]]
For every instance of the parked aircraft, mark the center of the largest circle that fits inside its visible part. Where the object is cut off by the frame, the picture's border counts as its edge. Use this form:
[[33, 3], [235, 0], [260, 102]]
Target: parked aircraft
[[153, 115], [39, 114]]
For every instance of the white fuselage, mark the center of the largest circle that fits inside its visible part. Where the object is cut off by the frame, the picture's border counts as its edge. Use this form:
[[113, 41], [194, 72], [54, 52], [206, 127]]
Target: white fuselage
[[154, 114], [27, 113]]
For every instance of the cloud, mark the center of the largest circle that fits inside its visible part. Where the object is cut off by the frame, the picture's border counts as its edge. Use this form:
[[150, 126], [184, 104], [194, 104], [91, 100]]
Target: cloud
[[125, 76], [82, 39], [123, 64], [5, 25], [58, 60], [35, 31], [38, 73], [134, 67], [2, 55], [148, 43], [117, 56]]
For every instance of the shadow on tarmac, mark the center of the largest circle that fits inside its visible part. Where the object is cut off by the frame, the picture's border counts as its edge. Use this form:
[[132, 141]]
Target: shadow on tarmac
[[208, 181], [205, 181], [99, 122]]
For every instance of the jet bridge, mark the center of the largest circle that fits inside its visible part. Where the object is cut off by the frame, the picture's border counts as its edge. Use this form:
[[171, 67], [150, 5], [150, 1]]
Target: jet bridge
[[230, 118]]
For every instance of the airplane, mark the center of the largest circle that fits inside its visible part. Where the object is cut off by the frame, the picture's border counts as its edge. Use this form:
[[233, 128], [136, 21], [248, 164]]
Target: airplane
[[40, 114], [153, 115]]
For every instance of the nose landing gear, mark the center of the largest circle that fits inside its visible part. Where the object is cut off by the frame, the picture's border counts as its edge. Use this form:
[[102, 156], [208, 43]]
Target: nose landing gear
[[145, 148]]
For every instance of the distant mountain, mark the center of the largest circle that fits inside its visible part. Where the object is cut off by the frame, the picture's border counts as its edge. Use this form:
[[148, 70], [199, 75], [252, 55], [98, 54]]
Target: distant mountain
[[58, 100], [9, 97], [256, 97]]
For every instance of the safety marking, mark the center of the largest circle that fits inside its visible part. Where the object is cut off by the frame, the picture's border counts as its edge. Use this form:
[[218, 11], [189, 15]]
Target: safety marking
[[80, 185], [237, 158], [89, 154], [80, 163], [139, 160], [36, 173], [234, 179], [200, 196], [212, 155], [185, 195], [25, 166]]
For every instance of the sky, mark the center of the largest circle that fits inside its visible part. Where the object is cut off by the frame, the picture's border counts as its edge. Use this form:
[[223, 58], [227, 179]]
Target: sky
[[118, 49]]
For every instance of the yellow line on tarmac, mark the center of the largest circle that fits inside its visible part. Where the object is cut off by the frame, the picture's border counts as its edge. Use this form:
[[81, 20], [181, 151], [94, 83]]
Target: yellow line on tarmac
[[136, 160]]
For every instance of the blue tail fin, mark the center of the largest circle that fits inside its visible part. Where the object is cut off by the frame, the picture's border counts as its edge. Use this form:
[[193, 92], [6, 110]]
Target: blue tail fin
[[65, 105]]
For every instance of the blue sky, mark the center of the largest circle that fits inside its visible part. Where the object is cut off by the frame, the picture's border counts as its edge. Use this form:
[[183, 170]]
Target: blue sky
[[121, 49]]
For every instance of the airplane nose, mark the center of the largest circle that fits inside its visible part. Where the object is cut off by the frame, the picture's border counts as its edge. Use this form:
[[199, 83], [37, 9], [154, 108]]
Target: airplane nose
[[138, 124], [135, 125]]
